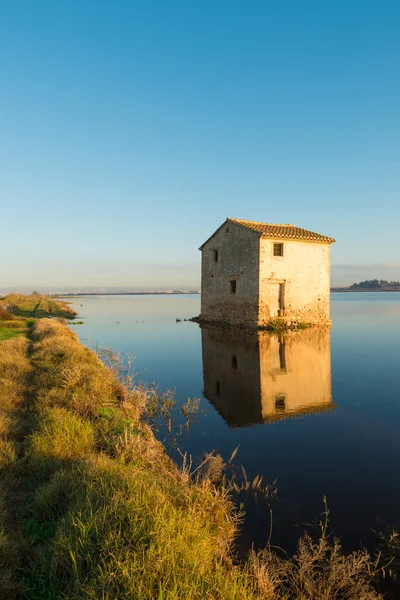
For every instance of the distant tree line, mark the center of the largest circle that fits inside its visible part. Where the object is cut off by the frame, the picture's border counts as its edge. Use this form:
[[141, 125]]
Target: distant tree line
[[376, 284]]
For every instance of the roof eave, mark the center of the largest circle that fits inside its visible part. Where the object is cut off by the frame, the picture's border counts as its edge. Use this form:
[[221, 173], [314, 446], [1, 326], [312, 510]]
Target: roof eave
[[326, 240], [322, 240]]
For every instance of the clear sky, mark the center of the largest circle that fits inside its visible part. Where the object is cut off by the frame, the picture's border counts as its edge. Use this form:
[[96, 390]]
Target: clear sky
[[130, 130]]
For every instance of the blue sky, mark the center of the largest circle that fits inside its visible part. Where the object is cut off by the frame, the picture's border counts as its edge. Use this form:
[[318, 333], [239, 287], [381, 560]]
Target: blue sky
[[130, 130]]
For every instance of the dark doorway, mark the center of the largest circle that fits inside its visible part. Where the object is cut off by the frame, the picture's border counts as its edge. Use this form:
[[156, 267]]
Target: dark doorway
[[281, 299]]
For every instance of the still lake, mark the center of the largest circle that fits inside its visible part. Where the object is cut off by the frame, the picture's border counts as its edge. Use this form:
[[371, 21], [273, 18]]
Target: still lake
[[317, 411]]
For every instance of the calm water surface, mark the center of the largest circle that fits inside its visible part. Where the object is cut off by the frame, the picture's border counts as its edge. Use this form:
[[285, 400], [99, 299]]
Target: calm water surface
[[317, 411]]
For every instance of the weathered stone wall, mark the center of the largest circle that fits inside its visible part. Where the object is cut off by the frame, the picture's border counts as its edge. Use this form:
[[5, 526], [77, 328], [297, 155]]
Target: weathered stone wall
[[238, 259], [304, 269]]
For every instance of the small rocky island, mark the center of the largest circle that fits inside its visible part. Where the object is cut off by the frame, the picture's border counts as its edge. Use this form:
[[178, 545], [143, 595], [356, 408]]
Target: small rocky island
[[371, 285]]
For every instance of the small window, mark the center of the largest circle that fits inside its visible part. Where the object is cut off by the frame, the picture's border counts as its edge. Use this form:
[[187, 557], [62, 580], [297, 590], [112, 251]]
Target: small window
[[233, 286], [278, 249], [215, 255], [234, 361], [280, 404], [217, 388], [227, 230]]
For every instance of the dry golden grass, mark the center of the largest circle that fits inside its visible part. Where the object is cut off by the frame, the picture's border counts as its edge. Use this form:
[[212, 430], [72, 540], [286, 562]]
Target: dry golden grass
[[15, 370], [62, 435]]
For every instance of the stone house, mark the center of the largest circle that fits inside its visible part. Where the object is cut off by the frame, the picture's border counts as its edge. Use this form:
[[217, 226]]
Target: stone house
[[253, 272]]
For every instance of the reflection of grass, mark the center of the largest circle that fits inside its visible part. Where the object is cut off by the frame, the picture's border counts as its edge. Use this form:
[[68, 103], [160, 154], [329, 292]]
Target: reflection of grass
[[192, 319], [92, 507]]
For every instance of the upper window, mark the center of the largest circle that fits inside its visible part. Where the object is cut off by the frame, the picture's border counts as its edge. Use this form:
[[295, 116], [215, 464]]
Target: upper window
[[215, 255], [278, 249], [233, 286]]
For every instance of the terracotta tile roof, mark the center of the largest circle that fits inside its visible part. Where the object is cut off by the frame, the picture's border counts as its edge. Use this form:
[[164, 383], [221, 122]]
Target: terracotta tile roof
[[273, 230]]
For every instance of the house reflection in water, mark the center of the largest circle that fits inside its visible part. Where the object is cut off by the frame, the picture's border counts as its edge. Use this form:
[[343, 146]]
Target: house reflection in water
[[262, 377]]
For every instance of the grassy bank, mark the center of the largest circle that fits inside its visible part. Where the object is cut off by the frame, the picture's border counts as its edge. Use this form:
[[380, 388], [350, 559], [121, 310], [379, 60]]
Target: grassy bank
[[92, 507], [37, 306], [18, 312]]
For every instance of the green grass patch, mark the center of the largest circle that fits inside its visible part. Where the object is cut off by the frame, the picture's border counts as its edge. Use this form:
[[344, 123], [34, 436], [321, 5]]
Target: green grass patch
[[7, 332]]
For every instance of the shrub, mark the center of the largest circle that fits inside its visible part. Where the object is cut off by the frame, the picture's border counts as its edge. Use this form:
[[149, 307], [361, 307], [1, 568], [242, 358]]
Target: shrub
[[277, 325], [5, 315]]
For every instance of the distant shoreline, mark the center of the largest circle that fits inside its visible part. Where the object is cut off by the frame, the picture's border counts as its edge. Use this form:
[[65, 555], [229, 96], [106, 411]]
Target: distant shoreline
[[190, 293], [374, 291], [77, 295], [333, 290]]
